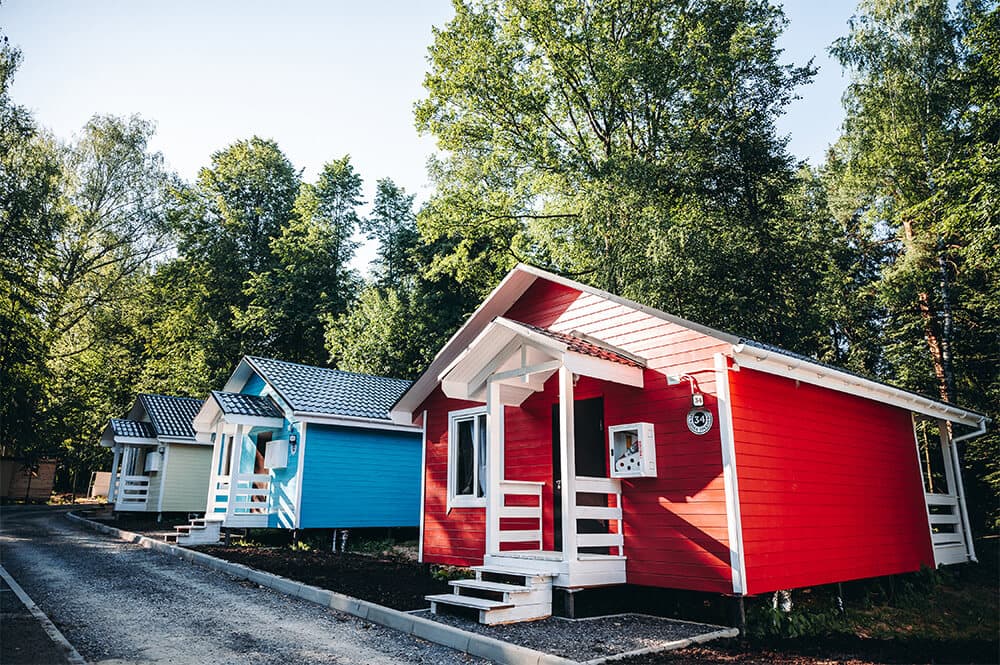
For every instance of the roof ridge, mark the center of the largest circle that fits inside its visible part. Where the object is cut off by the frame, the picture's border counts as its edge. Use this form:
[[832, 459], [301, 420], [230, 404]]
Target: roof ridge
[[327, 369]]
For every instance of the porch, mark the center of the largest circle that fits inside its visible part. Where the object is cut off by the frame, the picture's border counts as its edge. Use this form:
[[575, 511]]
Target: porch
[[136, 456], [240, 428], [503, 367]]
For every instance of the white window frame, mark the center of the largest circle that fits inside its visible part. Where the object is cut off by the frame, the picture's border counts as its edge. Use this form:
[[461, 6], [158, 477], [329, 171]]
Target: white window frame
[[455, 417]]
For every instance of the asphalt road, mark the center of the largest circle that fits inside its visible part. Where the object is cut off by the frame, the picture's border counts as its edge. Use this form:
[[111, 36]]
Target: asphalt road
[[117, 602]]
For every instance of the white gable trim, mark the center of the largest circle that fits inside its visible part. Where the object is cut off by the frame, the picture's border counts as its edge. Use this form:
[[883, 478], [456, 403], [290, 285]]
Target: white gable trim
[[352, 421]]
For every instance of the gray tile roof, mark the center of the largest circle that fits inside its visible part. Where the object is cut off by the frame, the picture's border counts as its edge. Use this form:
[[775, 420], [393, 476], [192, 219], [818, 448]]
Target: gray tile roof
[[136, 429], [330, 391], [246, 405], [171, 416]]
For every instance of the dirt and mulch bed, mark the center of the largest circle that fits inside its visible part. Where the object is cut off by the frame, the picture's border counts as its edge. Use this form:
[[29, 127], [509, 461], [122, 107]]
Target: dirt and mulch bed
[[392, 580], [947, 616]]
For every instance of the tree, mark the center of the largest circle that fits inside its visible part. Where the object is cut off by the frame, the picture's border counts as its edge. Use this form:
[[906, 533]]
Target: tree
[[29, 217], [918, 161], [394, 225], [631, 145], [225, 225], [311, 279]]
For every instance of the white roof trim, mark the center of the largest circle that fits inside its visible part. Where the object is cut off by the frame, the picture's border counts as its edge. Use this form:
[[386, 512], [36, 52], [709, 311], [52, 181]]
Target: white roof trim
[[352, 421], [780, 364]]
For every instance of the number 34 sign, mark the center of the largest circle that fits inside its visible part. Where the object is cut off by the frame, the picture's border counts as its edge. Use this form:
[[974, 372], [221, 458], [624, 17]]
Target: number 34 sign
[[699, 421]]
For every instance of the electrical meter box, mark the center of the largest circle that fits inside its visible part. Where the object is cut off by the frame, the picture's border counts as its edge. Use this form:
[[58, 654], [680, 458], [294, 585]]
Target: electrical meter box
[[632, 450], [153, 459], [276, 454]]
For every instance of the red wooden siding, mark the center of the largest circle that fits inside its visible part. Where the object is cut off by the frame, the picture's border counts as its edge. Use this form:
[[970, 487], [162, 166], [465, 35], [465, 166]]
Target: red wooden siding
[[828, 485], [675, 525]]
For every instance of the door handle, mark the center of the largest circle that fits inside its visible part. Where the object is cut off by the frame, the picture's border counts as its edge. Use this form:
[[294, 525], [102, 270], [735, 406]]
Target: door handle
[[558, 486]]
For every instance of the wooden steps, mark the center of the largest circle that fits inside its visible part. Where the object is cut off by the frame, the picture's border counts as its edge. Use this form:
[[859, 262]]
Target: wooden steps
[[198, 532], [499, 595]]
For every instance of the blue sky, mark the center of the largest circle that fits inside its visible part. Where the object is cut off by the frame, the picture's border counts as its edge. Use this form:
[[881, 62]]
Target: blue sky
[[322, 78]]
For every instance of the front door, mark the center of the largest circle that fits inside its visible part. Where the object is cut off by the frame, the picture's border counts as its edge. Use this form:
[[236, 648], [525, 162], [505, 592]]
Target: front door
[[588, 426]]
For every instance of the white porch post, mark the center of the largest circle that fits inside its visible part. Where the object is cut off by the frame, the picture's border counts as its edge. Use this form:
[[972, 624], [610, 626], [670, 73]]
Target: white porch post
[[112, 488], [568, 466], [494, 445], [213, 474], [236, 448], [959, 491]]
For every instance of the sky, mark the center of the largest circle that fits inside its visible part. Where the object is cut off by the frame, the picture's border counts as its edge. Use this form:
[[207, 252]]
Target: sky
[[323, 78]]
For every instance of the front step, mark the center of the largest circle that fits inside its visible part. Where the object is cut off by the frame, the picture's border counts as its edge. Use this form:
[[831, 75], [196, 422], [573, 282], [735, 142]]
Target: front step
[[197, 532], [499, 595]]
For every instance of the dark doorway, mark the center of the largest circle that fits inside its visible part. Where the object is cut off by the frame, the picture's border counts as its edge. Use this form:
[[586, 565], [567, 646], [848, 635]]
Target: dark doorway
[[588, 426], [263, 438]]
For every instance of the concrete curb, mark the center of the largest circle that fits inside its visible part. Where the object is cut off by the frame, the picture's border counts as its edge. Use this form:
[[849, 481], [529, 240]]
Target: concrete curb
[[72, 655], [432, 631]]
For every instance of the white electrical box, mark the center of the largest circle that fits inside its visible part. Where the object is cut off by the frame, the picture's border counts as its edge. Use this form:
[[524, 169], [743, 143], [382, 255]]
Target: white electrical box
[[276, 454], [153, 459], [632, 450]]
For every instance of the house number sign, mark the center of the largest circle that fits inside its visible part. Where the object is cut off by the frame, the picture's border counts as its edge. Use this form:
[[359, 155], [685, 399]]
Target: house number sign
[[699, 421]]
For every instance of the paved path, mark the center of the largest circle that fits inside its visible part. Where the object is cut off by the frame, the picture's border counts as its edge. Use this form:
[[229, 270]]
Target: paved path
[[120, 603]]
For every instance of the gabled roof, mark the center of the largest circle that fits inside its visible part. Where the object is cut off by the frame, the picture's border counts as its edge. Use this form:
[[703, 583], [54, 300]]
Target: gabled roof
[[246, 405], [522, 276], [320, 390], [171, 416], [135, 429]]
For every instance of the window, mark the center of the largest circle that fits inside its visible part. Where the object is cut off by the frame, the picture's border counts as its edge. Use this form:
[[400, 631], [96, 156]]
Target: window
[[467, 458]]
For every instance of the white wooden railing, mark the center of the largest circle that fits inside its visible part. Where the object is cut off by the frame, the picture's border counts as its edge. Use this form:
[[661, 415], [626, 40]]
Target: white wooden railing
[[946, 524], [611, 513], [245, 498], [523, 510], [131, 492]]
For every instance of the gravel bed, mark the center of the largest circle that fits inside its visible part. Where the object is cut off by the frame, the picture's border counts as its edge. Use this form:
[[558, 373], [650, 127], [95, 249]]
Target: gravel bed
[[584, 639], [118, 603]]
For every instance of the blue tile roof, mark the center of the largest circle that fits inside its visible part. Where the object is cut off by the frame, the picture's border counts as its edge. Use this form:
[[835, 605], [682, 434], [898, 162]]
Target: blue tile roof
[[330, 391], [136, 429], [246, 405], [171, 416]]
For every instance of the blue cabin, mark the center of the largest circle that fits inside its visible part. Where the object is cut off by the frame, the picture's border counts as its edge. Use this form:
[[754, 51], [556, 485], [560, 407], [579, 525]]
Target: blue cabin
[[300, 447]]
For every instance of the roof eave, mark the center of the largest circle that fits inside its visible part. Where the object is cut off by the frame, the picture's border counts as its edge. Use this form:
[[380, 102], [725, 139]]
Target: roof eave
[[772, 362]]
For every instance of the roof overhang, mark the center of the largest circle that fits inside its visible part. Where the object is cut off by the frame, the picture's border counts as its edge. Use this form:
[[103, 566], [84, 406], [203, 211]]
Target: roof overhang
[[522, 359], [772, 362], [211, 413]]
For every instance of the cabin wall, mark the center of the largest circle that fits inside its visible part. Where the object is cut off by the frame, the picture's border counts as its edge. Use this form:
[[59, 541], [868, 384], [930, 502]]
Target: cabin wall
[[186, 476], [675, 526], [829, 485], [355, 477]]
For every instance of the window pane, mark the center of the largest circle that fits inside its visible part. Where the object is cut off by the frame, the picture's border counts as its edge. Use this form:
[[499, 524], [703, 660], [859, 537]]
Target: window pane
[[464, 473], [481, 442]]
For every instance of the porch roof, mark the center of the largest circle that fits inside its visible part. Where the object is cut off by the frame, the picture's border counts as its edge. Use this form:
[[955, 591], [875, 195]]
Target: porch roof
[[522, 357], [124, 430], [236, 409]]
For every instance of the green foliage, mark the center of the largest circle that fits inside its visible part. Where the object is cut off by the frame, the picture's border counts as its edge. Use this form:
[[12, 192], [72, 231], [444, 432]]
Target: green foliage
[[449, 573], [29, 217], [630, 145], [916, 171]]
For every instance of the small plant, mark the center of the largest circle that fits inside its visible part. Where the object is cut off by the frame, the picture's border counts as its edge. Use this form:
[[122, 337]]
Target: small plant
[[302, 546], [449, 573]]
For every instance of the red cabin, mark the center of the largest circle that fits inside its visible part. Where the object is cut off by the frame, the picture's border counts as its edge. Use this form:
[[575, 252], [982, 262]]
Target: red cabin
[[573, 438]]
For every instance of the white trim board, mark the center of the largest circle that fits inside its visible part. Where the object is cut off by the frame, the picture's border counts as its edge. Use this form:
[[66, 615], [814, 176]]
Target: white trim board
[[423, 485], [734, 521]]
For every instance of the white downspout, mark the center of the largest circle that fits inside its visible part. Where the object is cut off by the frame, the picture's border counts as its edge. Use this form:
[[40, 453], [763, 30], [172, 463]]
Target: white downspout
[[960, 487]]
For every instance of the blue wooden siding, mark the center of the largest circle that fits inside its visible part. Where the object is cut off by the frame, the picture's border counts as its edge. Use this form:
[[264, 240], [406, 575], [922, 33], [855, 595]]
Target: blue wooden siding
[[360, 478], [254, 385]]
